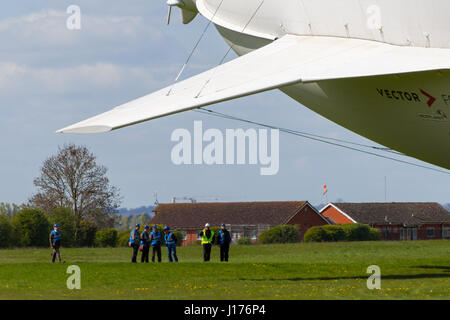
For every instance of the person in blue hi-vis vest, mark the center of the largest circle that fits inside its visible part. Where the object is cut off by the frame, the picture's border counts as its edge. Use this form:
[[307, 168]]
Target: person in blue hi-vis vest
[[224, 242], [171, 243], [145, 244], [55, 243], [135, 240], [155, 242]]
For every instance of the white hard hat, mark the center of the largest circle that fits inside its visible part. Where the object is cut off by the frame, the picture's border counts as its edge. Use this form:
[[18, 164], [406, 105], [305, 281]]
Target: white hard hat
[[207, 225]]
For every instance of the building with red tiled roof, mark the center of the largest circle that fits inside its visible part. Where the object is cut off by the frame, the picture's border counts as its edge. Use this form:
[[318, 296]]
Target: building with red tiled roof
[[243, 219], [395, 220]]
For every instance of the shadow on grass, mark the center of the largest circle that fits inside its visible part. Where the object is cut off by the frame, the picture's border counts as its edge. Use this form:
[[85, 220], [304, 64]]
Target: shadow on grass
[[383, 277], [443, 268]]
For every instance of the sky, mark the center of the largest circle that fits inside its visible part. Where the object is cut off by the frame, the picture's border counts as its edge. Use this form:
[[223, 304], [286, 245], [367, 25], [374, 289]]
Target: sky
[[51, 77]]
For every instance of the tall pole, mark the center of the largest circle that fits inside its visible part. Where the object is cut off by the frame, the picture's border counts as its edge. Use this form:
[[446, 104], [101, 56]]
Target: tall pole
[[385, 189]]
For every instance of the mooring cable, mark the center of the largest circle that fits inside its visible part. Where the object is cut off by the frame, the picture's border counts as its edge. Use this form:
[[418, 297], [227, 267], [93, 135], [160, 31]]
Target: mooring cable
[[229, 49], [194, 48], [322, 139]]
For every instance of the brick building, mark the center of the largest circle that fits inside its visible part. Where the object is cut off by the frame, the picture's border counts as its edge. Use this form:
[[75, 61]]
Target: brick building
[[243, 219], [396, 221]]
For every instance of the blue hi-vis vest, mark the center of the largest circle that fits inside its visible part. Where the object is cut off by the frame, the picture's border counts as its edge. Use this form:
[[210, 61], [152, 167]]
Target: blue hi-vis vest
[[134, 236], [169, 239], [156, 238], [224, 237], [57, 236]]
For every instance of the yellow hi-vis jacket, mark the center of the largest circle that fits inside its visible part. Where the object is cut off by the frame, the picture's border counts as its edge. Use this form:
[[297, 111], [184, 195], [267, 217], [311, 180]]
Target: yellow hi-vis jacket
[[205, 239]]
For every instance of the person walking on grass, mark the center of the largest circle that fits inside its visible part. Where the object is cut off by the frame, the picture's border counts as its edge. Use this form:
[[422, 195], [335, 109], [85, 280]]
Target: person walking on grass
[[224, 242], [134, 242], [207, 237], [55, 243], [145, 244], [155, 240], [171, 243]]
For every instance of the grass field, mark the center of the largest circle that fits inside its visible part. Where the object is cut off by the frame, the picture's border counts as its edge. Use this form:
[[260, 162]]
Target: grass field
[[409, 270]]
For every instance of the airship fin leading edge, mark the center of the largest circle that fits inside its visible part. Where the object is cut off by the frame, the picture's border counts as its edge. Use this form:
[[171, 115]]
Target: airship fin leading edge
[[288, 60]]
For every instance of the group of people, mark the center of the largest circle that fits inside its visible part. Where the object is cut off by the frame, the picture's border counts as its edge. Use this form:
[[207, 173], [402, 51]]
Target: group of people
[[143, 241], [208, 238]]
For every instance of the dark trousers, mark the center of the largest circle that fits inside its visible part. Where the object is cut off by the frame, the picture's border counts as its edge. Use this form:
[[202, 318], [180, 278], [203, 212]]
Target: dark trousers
[[207, 251], [224, 249], [172, 250], [56, 252], [156, 251], [145, 251], [135, 252]]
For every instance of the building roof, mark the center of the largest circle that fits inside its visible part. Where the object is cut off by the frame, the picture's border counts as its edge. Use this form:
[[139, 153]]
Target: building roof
[[408, 213], [195, 215]]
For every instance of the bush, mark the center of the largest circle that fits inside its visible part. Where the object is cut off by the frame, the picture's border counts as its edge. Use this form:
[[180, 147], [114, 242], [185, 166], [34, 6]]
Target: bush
[[123, 238], [65, 219], [280, 234], [86, 233], [346, 232], [334, 233], [31, 228], [244, 241], [5, 232], [314, 234], [374, 234], [356, 232], [106, 238]]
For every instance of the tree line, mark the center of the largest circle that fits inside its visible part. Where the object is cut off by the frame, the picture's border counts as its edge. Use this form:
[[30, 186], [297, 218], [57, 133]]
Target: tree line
[[73, 191]]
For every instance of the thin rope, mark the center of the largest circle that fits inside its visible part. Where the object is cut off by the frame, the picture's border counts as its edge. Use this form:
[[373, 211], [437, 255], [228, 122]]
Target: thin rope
[[312, 137], [194, 48], [229, 49]]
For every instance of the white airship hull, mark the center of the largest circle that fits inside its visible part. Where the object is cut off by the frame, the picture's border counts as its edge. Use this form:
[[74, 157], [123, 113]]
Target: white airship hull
[[390, 110], [396, 111], [379, 68]]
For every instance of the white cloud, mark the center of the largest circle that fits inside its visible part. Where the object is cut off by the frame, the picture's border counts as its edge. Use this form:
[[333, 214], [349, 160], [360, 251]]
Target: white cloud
[[21, 79], [46, 30]]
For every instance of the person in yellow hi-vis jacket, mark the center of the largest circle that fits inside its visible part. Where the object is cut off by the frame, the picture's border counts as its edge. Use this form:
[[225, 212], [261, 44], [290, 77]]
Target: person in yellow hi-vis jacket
[[207, 236]]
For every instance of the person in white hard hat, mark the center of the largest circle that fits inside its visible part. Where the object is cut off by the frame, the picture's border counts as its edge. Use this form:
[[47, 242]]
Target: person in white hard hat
[[207, 236]]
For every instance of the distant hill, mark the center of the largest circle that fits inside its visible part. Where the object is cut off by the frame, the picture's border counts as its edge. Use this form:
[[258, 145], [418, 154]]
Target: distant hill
[[140, 210], [447, 206]]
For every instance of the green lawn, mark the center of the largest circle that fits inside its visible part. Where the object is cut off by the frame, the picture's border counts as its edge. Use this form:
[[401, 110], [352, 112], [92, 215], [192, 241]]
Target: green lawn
[[409, 270]]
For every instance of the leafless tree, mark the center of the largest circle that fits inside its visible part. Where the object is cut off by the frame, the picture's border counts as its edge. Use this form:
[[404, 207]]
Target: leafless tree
[[73, 179]]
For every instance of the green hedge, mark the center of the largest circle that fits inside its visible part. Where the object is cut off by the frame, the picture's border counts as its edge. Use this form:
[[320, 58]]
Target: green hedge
[[244, 241], [346, 232], [106, 238], [31, 228], [123, 238], [5, 232], [360, 232], [280, 234], [86, 234]]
